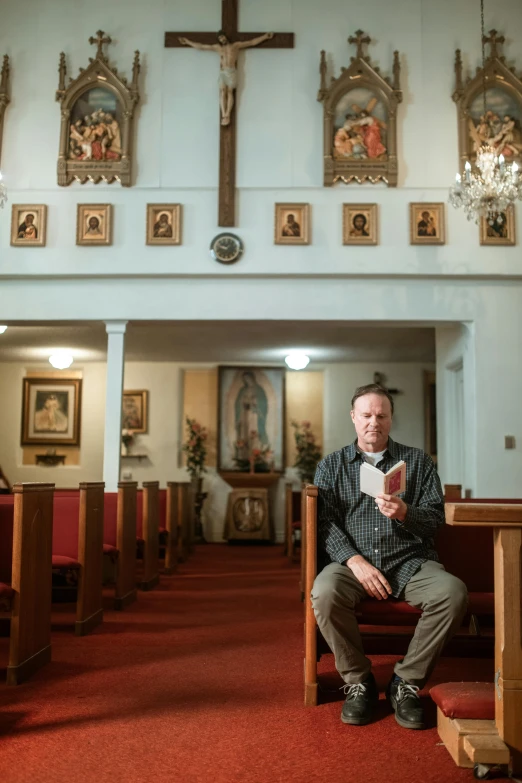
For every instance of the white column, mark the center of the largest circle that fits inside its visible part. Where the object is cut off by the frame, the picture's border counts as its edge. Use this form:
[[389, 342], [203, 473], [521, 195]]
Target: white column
[[113, 400]]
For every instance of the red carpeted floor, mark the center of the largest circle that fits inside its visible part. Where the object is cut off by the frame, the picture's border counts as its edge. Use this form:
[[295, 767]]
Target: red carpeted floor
[[202, 680]]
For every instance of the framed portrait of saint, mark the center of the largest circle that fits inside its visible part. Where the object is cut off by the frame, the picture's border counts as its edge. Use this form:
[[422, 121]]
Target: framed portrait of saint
[[51, 411], [360, 224], [292, 224], [163, 224], [135, 410], [499, 228], [94, 224], [28, 225], [427, 224], [251, 418]]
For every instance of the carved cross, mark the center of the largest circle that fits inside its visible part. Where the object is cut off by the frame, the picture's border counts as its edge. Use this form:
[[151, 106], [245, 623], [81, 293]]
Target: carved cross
[[100, 40], [493, 39], [359, 39], [227, 142]]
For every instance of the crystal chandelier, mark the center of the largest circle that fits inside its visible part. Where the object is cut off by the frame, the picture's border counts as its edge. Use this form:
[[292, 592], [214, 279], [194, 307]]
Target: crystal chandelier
[[494, 185], [3, 191]]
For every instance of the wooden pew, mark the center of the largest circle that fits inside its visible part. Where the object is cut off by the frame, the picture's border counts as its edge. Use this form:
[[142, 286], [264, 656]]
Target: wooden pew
[[126, 591], [174, 516], [78, 544], [180, 498], [293, 521], [150, 534], [26, 534]]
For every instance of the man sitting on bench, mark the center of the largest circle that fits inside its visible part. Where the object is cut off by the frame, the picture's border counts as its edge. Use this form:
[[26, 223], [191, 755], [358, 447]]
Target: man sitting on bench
[[381, 547]]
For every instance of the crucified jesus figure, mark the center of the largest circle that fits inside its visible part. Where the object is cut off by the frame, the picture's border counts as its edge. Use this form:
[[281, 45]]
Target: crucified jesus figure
[[228, 56]]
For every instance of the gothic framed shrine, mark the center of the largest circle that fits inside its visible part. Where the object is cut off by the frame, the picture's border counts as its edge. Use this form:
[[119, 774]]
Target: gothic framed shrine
[[97, 120], [499, 125], [251, 419], [360, 120]]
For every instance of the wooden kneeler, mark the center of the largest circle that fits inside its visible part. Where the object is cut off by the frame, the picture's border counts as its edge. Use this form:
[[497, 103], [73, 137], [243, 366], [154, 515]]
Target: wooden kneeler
[[309, 527], [30, 634], [126, 591], [483, 743], [150, 535]]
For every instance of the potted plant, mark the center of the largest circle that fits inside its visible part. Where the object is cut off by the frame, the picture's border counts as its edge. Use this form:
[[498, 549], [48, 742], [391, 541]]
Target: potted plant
[[127, 440], [308, 451]]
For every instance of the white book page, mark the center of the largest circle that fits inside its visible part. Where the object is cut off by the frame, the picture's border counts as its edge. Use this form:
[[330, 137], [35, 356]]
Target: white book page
[[372, 480]]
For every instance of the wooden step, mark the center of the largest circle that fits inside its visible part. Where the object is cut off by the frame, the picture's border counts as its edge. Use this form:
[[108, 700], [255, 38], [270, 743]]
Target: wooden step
[[486, 749]]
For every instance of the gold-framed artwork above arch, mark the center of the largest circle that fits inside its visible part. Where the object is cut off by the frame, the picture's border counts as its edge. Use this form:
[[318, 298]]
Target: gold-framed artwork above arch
[[499, 124], [4, 96], [97, 120], [360, 119]]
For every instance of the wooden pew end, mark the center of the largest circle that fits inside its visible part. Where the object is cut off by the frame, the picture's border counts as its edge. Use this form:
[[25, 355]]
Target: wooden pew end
[[20, 673], [120, 602], [83, 627], [311, 699], [150, 584]]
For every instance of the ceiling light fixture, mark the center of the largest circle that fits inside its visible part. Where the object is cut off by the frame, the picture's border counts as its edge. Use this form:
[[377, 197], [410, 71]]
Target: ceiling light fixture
[[297, 360], [61, 360], [3, 328]]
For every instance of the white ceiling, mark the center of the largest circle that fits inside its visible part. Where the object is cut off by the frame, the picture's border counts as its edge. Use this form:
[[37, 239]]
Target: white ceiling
[[225, 341]]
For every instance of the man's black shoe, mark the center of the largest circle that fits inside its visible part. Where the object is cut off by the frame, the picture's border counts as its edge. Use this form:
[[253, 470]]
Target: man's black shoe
[[360, 702], [404, 699]]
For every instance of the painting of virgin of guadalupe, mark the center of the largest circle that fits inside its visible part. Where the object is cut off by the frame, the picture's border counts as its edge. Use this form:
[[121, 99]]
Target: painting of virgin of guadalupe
[[251, 419], [360, 126]]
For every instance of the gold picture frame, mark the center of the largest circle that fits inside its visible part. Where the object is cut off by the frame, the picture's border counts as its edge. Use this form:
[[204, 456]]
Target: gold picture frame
[[28, 225], [4, 95], [292, 224], [427, 223], [163, 224], [360, 224], [94, 224], [51, 411], [495, 232], [135, 410], [360, 109], [97, 120]]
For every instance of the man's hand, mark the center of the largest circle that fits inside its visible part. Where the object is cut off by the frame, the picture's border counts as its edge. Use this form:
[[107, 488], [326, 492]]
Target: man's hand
[[392, 507], [370, 577]]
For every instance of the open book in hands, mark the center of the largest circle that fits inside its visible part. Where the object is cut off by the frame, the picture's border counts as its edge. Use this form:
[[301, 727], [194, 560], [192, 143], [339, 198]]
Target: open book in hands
[[374, 482]]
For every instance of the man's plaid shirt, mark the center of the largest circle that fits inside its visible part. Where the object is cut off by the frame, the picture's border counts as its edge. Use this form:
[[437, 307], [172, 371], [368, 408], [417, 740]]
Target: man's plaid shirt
[[349, 522]]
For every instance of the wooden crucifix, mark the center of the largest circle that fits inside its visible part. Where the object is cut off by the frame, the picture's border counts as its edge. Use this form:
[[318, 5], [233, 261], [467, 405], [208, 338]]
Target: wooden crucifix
[[228, 42]]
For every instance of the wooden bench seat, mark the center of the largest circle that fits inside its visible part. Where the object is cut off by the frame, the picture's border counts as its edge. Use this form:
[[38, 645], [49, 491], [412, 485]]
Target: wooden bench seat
[[119, 538], [25, 576], [147, 532]]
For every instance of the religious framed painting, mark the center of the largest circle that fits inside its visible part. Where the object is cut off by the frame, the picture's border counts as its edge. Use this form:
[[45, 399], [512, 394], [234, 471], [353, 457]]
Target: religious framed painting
[[360, 119], [97, 120], [493, 118], [4, 95], [292, 224], [360, 224], [499, 228], [163, 224], [51, 411], [427, 224], [94, 224], [135, 411], [28, 225], [251, 419]]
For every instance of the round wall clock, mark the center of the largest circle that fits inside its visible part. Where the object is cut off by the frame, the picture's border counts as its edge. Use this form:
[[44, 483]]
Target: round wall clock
[[226, 248]]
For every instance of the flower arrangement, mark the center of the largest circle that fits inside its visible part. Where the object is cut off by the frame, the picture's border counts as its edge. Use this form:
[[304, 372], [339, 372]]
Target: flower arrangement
[[127, 438], [195, 448], [253, 455], [308, 452]]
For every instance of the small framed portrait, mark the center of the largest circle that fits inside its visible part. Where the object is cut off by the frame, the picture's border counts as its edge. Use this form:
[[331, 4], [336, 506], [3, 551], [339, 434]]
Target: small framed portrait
[[427, 224], [28, 225], [94, 224], [135, 411], [163, 224], [498, 228], [51, 410], [292, 224], [360, 224]]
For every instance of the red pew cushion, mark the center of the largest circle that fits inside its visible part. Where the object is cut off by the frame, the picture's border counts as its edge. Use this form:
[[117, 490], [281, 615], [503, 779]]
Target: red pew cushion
[[6, 541], [473, 700], [370, 609], [61, 561], [66, 513], [481, 604]]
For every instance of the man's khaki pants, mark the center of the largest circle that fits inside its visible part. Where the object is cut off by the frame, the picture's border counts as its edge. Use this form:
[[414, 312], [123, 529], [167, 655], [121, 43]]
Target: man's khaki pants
[[442, 597]]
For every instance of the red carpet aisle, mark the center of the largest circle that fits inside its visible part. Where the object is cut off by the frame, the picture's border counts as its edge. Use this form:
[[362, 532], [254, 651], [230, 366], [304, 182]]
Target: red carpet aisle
[[202, 681]]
